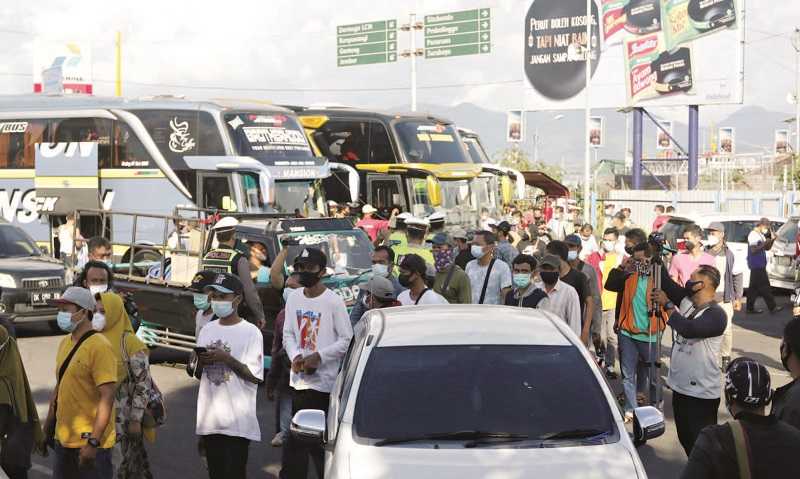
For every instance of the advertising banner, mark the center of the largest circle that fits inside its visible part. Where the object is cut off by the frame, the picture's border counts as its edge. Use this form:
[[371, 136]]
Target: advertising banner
[[597, 131], [727, 140], [74, 60], [647, 53], [781, 142], [663, 142], [514, 126]]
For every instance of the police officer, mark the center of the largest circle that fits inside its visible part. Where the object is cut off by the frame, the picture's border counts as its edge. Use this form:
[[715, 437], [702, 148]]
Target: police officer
[[226, 258]]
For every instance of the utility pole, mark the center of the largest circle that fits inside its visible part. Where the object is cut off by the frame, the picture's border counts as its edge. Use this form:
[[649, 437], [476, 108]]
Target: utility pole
[[413, 53], [587, 166], [118, 56], [796, 45]]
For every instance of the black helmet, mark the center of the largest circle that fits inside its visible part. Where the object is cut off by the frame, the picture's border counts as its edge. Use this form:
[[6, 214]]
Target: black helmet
[[747, 383]]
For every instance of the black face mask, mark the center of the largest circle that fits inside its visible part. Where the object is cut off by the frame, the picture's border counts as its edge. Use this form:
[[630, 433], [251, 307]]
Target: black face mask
[[549, 277], [308, 279], [404, 280], [630, 250], [689, 288], [689, 245]]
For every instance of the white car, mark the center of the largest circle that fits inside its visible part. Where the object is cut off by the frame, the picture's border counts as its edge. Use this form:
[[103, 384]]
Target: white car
[[782, 263], [737, 227], [466, 391]]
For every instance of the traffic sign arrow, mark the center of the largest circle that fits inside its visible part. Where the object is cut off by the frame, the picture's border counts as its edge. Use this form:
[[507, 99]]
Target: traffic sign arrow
[[392, 57], [485, 48], [392, 46], [484, 12], [392, 35], [485, 25], [485, 36]]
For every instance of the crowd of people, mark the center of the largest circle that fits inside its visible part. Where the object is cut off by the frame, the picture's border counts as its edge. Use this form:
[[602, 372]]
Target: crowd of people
[[619, 292]]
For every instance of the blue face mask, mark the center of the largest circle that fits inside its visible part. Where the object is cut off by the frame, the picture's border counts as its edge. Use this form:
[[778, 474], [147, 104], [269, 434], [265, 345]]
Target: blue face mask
[[64, 320], [222, 309], [477, 251], [201, 301], [572, 255], [522, 280]]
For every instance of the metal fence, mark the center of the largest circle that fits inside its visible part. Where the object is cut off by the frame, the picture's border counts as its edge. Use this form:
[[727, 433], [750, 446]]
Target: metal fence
[[642, 202]]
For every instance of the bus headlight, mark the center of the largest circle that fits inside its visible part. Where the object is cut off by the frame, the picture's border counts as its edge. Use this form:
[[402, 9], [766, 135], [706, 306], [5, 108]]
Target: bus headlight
[[7, 281]]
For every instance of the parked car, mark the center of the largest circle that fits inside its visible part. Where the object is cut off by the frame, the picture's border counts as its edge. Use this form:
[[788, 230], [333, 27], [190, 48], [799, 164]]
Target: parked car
[[781, 267], [737, 227], [28, 278], [499, 392]]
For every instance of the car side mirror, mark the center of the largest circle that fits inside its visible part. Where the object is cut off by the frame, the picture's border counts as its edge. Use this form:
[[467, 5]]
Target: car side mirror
[[308, 425], [648, 423]]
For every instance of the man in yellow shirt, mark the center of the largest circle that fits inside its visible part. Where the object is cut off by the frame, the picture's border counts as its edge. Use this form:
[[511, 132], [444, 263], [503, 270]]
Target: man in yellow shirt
[[610, 260], [416, 230], [83, 403]]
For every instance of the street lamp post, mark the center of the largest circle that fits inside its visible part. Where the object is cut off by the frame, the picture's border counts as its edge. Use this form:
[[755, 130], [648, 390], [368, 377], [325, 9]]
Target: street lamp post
[[587, 166], [413, 53], [796, 45]]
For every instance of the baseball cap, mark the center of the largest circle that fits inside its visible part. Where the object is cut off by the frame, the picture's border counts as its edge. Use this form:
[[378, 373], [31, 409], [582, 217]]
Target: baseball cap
[[764, 221], [201, 280], [458, 233], [440, 239], [80, 297], [504, 226], [492, 223], [226, 283], [368, 208], [716, 226], [747, 382], [226, 223], [414, 263], [380, 288], [573, 240], [437, 216], [312, 256], [550, 260]]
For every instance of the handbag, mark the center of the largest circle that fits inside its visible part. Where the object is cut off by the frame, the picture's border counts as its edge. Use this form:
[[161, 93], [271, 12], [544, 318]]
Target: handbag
[[155, 412]]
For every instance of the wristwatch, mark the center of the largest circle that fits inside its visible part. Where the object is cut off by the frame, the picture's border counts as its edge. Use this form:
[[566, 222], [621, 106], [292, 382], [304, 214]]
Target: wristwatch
[[93, 442]]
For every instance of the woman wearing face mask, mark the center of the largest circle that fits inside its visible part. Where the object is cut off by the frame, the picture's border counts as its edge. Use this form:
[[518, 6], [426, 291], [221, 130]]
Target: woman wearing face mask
[[694, 374], [19, 423], [133, 390], [98, 278]]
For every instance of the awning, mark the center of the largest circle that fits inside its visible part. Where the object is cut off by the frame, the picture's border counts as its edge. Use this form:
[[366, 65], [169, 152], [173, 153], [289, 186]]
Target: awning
[[549, 185]]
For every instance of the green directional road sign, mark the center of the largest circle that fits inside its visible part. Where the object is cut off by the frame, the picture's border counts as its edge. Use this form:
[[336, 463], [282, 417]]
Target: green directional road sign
[[366, 43], [467, 32]]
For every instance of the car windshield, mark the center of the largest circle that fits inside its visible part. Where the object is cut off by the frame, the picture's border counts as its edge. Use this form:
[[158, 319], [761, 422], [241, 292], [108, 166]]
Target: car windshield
[[737, 231], [673, 230], [430, 142], [474, 150], [14, 243], [788, 231], [304, 197], [347, 251], [268, 137], [441, 389]]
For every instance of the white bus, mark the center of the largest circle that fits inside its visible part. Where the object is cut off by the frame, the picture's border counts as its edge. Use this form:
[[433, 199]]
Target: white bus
[[62, 153]]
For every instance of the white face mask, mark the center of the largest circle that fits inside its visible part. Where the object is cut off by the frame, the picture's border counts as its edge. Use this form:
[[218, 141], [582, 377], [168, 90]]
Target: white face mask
[[712, 240], [608, 245], [98, 321], [380, 270], [98, 288]]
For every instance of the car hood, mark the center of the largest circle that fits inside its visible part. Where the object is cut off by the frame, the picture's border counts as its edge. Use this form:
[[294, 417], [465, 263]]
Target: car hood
[[585, 462], [31, 266]]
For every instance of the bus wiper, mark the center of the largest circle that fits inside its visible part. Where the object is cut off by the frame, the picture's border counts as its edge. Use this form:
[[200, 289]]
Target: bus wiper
[[454, 436], [575, 434]]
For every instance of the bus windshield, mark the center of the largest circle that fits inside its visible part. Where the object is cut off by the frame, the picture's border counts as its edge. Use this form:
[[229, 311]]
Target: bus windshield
[[474, 150], [304, 197], [456, 194], [272, 138], [429, 142]]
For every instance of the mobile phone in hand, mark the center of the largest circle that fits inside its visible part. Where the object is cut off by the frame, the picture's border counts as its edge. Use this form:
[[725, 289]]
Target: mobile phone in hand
[[200, 350]]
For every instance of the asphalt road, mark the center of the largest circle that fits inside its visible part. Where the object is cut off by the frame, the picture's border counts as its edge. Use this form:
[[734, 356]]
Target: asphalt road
[[175, 455]]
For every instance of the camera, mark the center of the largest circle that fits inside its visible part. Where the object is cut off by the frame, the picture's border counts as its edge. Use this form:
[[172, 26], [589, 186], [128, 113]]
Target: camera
[[659, 243]]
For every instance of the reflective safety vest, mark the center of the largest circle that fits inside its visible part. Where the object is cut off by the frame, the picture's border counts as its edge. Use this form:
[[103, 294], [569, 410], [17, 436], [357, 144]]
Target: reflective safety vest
[[220, 260]]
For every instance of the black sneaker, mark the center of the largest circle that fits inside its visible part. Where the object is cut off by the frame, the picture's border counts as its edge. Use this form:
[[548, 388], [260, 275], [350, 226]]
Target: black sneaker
[[610, 374], [777, 309], [755, 311]]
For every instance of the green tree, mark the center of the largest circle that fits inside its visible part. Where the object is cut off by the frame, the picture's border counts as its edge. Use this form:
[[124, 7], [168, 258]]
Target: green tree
[[519, 160]]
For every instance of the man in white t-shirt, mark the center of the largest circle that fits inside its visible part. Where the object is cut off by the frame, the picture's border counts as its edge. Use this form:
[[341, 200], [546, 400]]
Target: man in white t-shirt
[[316, 336], [412, 276], [499, 283], [231, 366]]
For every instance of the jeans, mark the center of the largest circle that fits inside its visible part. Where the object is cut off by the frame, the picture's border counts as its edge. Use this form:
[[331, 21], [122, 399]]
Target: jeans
[[635, 359], [727, 336], [226, 456], [759, 286], [284, 410], [295, 454], [66, 464], [691, 416], [610, 339]]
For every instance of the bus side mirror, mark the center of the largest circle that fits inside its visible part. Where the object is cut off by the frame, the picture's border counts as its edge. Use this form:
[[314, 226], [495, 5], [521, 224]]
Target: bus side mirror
[[434, 191], [228, 204], [506, 189]]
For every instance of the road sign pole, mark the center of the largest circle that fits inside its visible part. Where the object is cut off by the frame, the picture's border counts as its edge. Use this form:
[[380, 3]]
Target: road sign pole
[[411, 21], [587, 145]]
